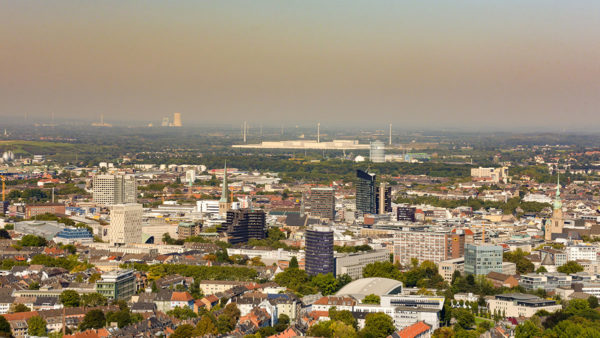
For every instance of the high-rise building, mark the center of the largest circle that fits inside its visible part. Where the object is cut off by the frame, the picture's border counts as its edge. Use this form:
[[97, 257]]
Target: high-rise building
[[125, 223], [365, 193], [555, 224], [377, 152], [243, 225], [114, 189], [406, 214], [190, 176], [383, 199], [319, 202], [319, 251], [177, 120], [224, 203], [435, 246], [483, 259]]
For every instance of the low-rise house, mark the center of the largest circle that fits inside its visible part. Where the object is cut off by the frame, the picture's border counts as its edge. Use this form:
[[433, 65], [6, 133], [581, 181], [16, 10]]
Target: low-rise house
[[502, 280], [182, 299]]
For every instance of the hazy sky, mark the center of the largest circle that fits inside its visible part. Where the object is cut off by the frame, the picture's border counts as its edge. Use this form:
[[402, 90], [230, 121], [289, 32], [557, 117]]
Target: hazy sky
[[414, 63]]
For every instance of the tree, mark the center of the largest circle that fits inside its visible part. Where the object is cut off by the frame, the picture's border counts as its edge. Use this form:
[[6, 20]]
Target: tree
[[381, 269], [321, 329], [36, 326], [70, 298], [20, 308], [327, 284], [183, 331], [121, 317], [371, 299], [293, 263], [33, 240], [378, 325], [593, 301], [518, 257], [528, 330], [465, 319], [206, 326], [233, 312], [339, 329], [541, 269], [182, 313], [570, 267], [343, 316], [93, 299], [224, 324], [283, 319], [4, 327], [94, 319]]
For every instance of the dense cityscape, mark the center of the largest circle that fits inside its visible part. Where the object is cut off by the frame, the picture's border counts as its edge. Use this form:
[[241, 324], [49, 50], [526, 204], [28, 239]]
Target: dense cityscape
[[279, 169], [443, 238]]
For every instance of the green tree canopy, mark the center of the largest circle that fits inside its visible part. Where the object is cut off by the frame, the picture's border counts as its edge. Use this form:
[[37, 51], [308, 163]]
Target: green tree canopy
[[70, 298], [94, 319], [371, 299], [36, 326], [33, 240], [378, 325], [570, 267]]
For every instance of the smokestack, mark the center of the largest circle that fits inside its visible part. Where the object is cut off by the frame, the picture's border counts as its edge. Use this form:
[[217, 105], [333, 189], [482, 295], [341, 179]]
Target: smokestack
[[245, 129], [390, 134], [318, 132]]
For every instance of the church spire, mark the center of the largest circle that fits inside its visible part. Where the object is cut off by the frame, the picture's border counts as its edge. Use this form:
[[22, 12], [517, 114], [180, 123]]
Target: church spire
[[225, 191], [557, 201]]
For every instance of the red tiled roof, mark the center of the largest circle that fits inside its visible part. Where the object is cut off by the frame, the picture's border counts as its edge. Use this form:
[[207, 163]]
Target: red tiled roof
[[181, 296], [20, 315], [414, 330]]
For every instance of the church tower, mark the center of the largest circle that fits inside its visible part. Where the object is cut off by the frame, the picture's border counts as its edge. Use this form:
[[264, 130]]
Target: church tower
[[555, 224], [224, 204]]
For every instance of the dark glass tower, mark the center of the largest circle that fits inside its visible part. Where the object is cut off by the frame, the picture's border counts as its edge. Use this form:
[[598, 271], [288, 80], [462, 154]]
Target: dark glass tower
[[365, 193], [319, 251], [243, 225]]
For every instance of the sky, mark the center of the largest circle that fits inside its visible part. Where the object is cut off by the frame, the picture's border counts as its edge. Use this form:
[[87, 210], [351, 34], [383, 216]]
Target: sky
[[511, 64]]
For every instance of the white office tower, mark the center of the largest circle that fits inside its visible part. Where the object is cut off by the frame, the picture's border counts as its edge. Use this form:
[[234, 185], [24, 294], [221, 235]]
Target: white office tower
[[115, 189], [125, 223], [190, 176], [377, 154]]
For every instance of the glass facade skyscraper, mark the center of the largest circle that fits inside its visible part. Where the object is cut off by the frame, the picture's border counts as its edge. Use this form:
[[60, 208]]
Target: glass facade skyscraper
[[319, 251], [365, 193]]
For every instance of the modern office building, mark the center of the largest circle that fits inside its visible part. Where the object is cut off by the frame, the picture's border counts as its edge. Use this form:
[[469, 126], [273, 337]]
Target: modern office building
[[435, 246], [383, 199], [365, 193], [447, 268], [125, 223], [243, 225], [114, 189], [377, 152], [352, 264], [520, 305], [116, 285], [74, 235], [406, 214], [319, 251], [319, 202], [483, 259]]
